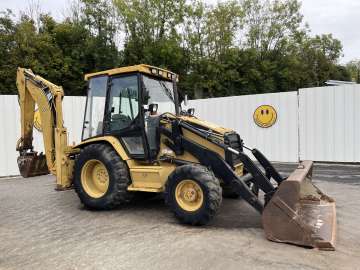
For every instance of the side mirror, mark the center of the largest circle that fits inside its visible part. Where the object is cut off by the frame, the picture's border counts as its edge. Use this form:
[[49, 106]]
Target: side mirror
[[153, 108], [191, 111], [186, 101]]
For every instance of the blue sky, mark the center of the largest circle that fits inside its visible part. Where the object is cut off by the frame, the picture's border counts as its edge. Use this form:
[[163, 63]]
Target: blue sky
[[339, 17]]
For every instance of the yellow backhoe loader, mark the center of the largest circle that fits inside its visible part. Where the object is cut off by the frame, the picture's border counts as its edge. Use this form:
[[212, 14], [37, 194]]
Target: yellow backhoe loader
[[136, 138]]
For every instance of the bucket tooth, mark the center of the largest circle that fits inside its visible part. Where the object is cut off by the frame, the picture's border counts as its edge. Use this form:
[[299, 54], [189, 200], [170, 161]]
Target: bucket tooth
[[32, 164], [299, 213]]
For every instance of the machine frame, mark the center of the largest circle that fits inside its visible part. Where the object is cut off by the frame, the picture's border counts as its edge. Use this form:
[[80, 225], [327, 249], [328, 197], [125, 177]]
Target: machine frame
[[194, 160]]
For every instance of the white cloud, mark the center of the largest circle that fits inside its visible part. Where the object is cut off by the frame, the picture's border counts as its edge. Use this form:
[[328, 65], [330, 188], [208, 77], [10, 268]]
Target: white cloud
[[339, 17]]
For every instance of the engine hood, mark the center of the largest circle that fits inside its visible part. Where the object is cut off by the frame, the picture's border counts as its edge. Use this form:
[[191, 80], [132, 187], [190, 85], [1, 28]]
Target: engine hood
[[206, 125]]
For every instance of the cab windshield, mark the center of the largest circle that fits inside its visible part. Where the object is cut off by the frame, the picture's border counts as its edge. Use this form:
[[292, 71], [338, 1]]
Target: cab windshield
[[159, 92]]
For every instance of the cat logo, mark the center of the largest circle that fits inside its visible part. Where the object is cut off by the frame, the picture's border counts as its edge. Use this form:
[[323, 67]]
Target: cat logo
[[37, 121]]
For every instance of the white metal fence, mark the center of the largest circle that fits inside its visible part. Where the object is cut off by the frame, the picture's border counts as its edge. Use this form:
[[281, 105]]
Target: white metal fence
[[329, 123], [278, 142], [321, 124], [74, 108]]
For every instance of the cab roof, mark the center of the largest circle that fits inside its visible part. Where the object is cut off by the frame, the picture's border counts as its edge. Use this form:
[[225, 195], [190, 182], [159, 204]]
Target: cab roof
[[155, 71]]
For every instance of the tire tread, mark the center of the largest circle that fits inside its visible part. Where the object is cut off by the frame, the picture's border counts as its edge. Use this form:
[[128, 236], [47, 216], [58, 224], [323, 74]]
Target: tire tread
[[118, 171], [212, 193]]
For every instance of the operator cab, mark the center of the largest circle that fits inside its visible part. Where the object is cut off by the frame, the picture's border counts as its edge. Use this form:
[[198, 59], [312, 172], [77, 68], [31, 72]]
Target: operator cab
[[127, 103]]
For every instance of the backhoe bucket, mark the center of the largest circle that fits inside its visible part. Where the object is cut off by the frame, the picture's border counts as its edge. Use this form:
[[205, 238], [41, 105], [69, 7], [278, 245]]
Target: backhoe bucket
[[32, 164], [299, 213]]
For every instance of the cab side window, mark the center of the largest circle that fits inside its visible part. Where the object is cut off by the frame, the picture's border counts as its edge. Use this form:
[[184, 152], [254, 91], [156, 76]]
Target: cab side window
[[123, 105], [95, 105]]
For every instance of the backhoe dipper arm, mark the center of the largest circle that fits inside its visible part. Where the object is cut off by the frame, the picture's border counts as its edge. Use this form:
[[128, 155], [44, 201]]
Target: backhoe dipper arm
[[33, 90]]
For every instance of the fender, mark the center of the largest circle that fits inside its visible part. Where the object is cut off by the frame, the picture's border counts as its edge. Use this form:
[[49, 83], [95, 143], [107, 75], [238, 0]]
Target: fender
[[114, 142]]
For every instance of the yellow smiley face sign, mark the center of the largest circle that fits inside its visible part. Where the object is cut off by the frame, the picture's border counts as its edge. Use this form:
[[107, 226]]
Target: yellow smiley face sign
[[37, 121], [265, 116]]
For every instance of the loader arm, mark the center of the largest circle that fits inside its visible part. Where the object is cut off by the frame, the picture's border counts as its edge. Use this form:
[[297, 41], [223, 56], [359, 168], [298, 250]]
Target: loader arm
[[293, 211], [33, 90]]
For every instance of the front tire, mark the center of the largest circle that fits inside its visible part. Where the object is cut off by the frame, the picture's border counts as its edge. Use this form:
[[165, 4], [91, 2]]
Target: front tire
[[193, 194], [101, 177]]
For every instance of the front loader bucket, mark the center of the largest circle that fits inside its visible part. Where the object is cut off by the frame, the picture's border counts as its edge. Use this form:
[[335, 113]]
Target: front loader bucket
[[299, 213], [32, 164]]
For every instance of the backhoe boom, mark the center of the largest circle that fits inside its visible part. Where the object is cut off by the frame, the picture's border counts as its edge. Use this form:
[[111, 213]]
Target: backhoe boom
[[33, 90]]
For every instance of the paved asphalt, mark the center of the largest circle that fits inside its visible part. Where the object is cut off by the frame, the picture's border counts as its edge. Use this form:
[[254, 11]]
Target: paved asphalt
[[44, 229]]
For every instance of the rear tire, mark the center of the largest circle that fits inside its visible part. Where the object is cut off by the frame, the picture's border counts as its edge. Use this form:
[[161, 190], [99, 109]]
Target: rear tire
[[193, 194], [114, 171]]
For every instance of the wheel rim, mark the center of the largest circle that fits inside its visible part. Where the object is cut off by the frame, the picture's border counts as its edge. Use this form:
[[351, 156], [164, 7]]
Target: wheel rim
[[189, 195], [95, 178]]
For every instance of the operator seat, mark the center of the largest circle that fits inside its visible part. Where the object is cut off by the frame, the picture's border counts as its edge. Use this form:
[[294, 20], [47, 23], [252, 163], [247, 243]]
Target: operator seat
[[120, 121]]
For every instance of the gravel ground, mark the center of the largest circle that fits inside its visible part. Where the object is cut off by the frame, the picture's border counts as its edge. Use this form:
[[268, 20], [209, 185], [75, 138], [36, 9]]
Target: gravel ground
[[44, 229]]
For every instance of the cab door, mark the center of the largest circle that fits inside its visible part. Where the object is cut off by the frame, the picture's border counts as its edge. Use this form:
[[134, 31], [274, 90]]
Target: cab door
[[123, 115], [95, 107]]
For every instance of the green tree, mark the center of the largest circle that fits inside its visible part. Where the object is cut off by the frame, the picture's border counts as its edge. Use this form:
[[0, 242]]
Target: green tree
[[271, 25], [209, 33], [353, 67], [231, 48], [319, 57], [62, 52], [98, 17], [7, 42], [151, 33]]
